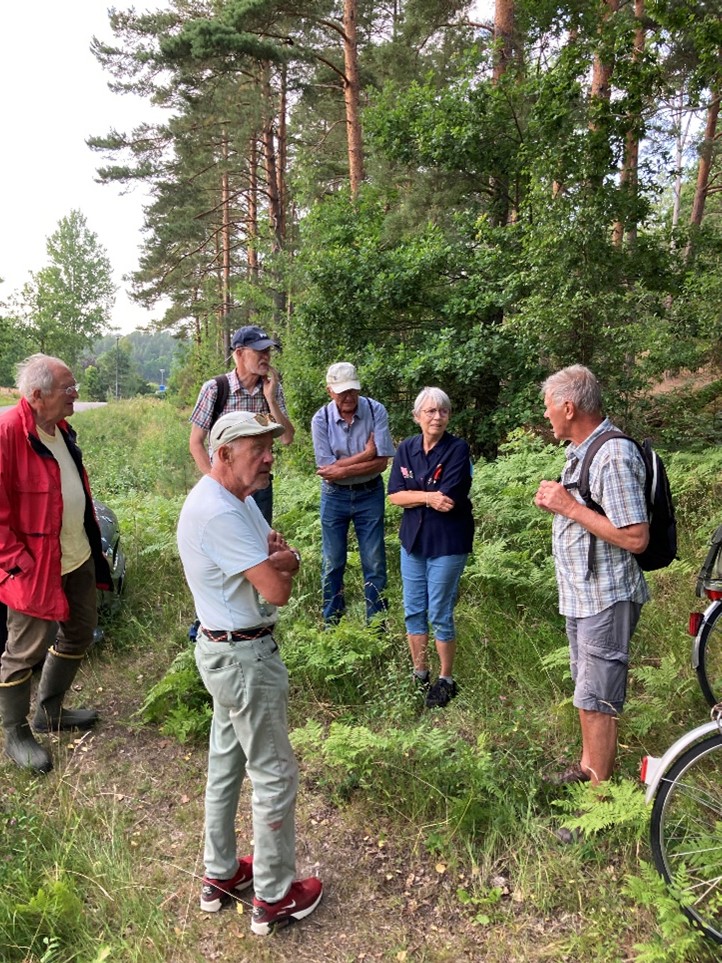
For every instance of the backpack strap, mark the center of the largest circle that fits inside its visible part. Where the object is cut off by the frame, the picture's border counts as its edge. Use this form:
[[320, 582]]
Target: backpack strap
[[223, 390], [582, 484]]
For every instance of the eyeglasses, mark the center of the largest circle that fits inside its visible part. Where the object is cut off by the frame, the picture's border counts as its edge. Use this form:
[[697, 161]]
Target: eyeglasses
[[430, 412], [71, 390]]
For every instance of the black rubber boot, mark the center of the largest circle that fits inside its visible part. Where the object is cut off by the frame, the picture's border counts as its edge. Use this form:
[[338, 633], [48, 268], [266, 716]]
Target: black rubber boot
[[58, 674], [20, 744]]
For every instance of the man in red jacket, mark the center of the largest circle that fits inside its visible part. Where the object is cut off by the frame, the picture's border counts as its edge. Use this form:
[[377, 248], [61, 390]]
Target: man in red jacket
[[51, 559]]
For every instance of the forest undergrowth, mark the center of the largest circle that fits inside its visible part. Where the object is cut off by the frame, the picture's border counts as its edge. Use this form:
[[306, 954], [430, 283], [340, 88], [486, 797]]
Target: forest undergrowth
[[433, 831]]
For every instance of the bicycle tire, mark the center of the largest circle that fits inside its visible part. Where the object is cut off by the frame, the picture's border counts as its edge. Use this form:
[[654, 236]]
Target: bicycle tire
[[686, 833], [709, 669]]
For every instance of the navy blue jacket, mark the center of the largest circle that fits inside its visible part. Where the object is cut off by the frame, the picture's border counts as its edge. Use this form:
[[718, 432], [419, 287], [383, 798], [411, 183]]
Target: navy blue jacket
[[446, 468]]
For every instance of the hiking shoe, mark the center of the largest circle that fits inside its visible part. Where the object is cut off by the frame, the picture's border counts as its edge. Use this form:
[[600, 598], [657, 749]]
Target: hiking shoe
[[440, 694], [573, 774], [300, 901], [217, 892]]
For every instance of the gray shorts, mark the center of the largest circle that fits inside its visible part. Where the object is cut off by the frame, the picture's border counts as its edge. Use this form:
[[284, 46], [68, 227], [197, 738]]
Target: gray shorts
[[599, 656]]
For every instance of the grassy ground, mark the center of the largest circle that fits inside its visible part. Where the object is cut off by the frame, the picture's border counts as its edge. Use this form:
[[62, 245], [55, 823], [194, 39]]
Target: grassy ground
[[433, 832]]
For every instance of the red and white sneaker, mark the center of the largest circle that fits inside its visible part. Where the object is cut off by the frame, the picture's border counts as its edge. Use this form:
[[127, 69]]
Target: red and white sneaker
[[300, 901], [217, 892]]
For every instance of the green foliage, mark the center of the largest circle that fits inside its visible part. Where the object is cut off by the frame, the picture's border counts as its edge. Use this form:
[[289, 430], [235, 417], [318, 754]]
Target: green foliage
[[62, 899], [595, 809], [652, 708], [179, 702], [511, 553], [142, 449], [443, 780], [67, 304], [676, 941]]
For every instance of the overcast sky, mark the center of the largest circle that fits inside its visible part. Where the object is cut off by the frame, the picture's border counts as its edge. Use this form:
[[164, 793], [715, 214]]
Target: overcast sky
[[54, 95]]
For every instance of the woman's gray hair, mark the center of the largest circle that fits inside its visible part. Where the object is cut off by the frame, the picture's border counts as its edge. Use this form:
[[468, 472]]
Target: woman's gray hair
[[435, 395], [576, 384], [37, 371]]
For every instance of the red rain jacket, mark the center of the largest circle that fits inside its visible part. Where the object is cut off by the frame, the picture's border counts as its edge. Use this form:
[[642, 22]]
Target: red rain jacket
[[31, 512]]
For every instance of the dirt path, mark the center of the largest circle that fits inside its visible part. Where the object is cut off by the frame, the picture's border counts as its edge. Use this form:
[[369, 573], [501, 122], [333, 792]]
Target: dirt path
[[381, 901]]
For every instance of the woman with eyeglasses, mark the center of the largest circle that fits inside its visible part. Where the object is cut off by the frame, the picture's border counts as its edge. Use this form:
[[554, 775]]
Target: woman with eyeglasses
[[430, 479]]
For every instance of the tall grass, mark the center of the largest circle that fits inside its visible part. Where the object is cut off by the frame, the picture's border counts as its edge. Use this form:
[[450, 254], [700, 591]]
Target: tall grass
[[463, 785]]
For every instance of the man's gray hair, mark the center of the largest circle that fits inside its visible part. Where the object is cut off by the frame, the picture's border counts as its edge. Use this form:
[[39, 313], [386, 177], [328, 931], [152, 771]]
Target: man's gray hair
[[37, 371], [434, 395], [576, 384]]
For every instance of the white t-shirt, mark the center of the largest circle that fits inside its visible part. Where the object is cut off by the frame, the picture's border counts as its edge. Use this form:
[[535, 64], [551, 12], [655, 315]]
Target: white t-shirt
[[219, 538], [74, 544]]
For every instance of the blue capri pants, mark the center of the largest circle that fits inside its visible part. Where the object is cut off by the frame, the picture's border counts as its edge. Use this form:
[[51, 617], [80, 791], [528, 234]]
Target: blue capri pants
[[430, 589]]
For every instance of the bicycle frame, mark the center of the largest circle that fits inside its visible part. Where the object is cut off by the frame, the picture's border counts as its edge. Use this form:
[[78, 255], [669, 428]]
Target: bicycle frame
[[653, 768], [712, 607]]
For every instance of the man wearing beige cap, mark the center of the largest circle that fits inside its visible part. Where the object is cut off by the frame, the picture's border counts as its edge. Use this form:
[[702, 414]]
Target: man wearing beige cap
[[239, 570], [352, 445]]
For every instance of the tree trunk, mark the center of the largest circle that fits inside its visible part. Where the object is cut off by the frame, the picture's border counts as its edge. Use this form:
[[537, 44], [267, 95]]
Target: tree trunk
[[351, 93], [703, 171], [629, 178], [269, 159], [602, 68], [252, 242], [504, 43], [503, 37], [282, 156], [225, 245]]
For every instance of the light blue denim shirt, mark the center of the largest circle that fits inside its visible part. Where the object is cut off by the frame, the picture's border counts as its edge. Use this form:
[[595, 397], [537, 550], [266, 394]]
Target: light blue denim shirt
[[616, 482], [334, 438]]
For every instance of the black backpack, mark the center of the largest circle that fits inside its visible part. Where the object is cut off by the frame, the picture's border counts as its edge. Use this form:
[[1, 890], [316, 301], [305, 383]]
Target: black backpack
[[223, 389], [662, 548]]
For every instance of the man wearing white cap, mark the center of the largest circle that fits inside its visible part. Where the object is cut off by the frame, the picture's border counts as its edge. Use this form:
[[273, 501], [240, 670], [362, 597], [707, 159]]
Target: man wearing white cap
[[239, 570], [352, 445]]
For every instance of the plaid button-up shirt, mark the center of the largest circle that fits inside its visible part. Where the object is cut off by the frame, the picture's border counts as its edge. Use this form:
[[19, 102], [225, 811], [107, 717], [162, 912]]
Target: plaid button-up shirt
[[239, 399], [616, 482]]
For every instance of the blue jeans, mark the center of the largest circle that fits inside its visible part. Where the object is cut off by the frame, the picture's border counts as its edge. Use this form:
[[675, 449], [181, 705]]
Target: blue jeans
[[430, 589], [249, 734], [340, 506]]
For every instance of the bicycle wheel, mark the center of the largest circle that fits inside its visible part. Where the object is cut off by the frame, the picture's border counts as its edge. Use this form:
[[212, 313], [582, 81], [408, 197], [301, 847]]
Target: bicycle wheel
[[709, 670], [686, 832]]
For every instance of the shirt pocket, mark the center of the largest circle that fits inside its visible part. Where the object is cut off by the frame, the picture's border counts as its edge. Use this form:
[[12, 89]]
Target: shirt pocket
[[35, 497]]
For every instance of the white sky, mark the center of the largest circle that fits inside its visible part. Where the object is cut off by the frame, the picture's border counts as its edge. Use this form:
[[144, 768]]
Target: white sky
[[53, 95]]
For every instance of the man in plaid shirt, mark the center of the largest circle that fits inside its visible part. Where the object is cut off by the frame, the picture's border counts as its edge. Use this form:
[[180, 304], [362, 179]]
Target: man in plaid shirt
[[602, 604], [253, 386]]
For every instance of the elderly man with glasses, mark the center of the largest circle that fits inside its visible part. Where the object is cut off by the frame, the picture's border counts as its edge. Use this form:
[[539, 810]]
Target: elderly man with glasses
[[51, 559], [254, 385]]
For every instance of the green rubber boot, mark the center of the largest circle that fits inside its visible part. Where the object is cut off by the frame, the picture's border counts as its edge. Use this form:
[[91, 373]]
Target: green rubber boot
[[58, 674], [20, 744]]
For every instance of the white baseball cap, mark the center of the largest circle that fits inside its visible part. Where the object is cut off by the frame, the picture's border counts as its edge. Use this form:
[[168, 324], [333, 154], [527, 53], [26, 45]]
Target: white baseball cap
[[242, 424], [342, 377]]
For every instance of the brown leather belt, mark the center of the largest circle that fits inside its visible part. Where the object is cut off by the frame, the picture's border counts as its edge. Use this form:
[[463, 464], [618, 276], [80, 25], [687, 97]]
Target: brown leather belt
[[238, 635]]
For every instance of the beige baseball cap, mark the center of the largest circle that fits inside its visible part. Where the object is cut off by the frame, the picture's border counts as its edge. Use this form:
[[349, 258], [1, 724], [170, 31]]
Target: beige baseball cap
[[242, 424], [342, 377]]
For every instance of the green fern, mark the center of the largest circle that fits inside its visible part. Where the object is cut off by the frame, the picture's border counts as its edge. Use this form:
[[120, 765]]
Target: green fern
[[594, 809]]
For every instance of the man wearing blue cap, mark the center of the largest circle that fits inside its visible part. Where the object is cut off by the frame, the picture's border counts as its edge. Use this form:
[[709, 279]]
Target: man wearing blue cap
[[253, 386]]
